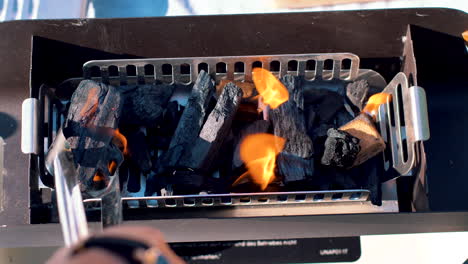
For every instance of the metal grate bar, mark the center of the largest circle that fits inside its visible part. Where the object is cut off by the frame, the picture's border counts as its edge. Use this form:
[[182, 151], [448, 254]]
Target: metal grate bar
[[219, 73], [244, 199]]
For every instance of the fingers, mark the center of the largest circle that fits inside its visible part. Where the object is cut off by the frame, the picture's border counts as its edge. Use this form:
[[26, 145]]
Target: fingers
[[92, 255], [148, 235]]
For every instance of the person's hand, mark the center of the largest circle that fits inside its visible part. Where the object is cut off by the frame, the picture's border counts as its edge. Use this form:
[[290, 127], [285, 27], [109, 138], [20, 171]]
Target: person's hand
[[150, 236]]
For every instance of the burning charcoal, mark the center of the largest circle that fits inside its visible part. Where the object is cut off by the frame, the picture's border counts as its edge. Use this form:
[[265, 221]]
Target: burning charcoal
[[138, 151], [293, 168], [144, 104], [370, 141], [248, 88], [358, 93], [288, 121], [216, 128], [341, 149], [190, 123], [328, 107], [90, 126], [259, 126]]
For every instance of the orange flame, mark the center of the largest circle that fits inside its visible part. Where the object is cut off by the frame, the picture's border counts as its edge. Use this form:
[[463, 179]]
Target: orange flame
[[375, 101], [120, 141], [258, 151], [465, 36], [271, 90], [112, 167], [98, 177]]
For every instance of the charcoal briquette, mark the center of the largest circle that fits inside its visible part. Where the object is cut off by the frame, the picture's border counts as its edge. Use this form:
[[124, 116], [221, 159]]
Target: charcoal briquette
[[293, 168], [358, 93], [341, 149], [144, 104]]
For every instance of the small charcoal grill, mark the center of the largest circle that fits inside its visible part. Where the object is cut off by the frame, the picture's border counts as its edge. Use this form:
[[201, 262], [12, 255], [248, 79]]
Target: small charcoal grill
[[403, 123], [428, 53]]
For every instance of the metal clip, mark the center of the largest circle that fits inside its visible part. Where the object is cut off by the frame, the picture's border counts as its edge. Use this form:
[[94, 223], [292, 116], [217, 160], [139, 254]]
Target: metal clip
[[30, 126], [419, 113]]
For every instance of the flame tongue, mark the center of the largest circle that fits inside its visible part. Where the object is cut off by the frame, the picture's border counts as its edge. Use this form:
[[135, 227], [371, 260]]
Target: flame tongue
[[258, 151], [271, 90], [375, 101], [121, 142]]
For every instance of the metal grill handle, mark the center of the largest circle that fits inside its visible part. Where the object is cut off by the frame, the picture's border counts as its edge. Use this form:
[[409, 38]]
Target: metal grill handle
[[403, 122]]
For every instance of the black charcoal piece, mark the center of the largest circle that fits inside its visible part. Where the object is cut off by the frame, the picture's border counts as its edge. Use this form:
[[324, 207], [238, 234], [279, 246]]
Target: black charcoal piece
[[342, 117], [138, 152], [224, 162], [185, 181], [296, 92], [159, 136], [336, 86], [320, 131], [190, 124], [259, 126], [328, 107], [144, 104], [374, 169], [310, 118], [130, 173], [368, 176], [341, 149], [358, 93], [288, 121], [93, 117], [315, 96], [216, 128], [171, 118], [293, 168], [154, 183]]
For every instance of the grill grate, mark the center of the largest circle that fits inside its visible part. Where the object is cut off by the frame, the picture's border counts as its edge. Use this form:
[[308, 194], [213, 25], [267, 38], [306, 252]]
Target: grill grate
[[240, 199], [326, 66], [400, 134]]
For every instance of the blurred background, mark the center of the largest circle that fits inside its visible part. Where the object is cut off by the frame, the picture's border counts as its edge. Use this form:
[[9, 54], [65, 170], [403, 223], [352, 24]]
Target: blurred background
[[45, 9]]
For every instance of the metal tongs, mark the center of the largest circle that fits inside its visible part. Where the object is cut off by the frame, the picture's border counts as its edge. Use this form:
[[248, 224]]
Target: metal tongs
[[69, 199]]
